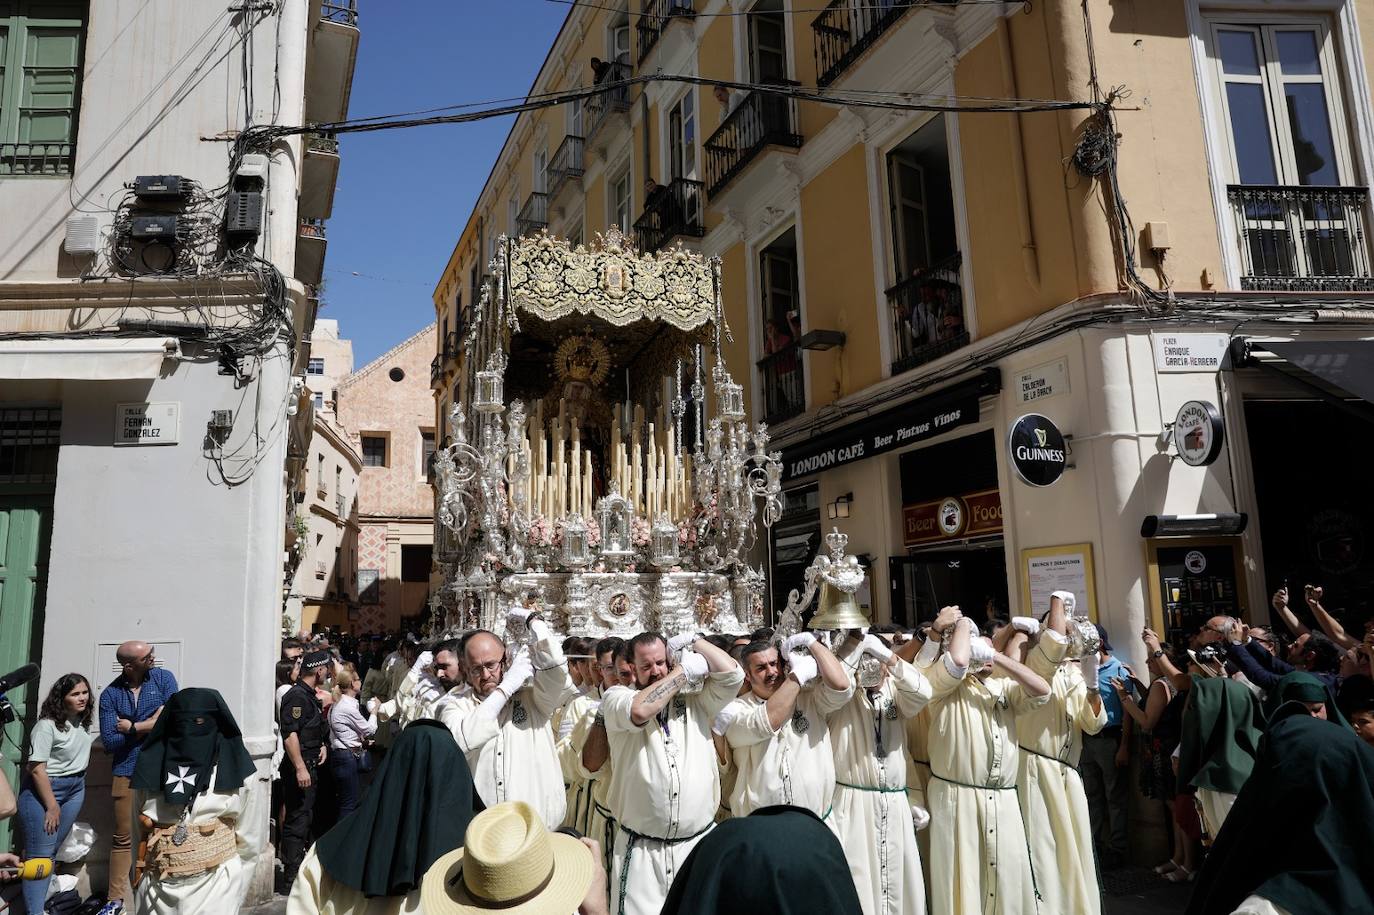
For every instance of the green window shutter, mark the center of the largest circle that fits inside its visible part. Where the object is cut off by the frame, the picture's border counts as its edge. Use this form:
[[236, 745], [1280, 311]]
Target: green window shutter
[[40, 79]]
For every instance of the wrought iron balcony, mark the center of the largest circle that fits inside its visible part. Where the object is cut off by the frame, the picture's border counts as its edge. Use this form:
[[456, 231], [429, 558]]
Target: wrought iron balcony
[[599, 108], [1302, 239], [784, 390], [761, 119], [566, 164], [344, 12], [448, 351], [927, 310], [534, 215], [323, 142], [842, 33], [654, 18], [36, 158], [673, 210]]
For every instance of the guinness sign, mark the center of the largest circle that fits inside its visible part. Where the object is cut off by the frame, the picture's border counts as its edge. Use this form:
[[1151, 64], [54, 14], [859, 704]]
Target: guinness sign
[[1037, 451]]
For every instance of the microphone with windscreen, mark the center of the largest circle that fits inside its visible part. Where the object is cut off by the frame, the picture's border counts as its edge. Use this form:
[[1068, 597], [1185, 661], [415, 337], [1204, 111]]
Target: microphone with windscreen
[[32, 869]]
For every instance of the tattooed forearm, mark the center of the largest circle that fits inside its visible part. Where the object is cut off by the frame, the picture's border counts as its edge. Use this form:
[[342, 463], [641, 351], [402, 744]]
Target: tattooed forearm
[[667, 687]]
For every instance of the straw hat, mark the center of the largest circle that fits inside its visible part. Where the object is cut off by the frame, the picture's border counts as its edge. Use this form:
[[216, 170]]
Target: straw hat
[[512, 864]]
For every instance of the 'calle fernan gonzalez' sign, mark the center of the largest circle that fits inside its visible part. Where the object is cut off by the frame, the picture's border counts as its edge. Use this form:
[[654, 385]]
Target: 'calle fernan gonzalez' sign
[[1037, 450]]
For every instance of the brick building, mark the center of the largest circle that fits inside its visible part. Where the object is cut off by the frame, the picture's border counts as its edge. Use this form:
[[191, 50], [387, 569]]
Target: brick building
[[387, 410]]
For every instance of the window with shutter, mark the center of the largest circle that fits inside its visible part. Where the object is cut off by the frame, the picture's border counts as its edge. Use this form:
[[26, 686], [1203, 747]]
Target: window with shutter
[[40, 83]]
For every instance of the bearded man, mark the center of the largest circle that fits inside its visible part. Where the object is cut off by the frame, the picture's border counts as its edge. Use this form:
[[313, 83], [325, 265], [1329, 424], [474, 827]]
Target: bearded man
[[778, 732], [504, 722], [667, 781]]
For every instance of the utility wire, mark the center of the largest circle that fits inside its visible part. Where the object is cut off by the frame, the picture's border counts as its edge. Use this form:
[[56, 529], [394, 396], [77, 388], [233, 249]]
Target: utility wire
[[901, 102], [890, 7]]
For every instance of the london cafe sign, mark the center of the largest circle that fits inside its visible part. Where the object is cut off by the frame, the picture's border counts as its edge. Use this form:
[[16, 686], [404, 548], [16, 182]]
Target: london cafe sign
[[1037, 450]]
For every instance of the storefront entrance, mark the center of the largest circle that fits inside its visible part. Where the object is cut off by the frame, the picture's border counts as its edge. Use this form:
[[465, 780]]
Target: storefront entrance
[[952, 528], [974, 577], [1311, 467]]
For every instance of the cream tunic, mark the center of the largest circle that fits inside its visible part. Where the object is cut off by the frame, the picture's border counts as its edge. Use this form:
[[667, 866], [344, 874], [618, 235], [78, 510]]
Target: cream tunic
[[872, 813], [512, 756], [793, 764], [979, 859], [1053, 804], [219, 891], [317, 893], [571, 724], [665, 790]]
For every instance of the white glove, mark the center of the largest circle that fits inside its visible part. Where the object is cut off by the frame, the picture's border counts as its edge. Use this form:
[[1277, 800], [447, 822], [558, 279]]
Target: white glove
[[1068, 598], [681, 641], [695, 665], [920, 816], [802, 641], [539, 630], [1088, 665], [981, 650], [804, 668], [875, 646], [522, 614], [372, 705], [521, 672], [1027, 624]]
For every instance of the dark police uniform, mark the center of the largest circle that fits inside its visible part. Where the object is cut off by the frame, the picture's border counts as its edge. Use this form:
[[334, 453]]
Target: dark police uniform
[[302, 715]]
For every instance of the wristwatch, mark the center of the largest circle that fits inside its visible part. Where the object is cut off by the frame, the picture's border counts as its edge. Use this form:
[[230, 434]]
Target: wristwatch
[[1157, 653]]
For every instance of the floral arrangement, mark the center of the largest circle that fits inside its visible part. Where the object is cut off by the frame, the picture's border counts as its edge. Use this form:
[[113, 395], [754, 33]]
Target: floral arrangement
[[639, 533], [541, 533]]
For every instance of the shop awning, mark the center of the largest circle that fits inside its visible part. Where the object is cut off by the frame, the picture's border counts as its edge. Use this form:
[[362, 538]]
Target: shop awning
[[1347, 364], [102, 359]]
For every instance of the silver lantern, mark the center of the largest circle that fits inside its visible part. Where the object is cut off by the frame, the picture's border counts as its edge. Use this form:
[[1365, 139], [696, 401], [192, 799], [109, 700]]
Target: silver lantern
[[663, 547], [576, 552]]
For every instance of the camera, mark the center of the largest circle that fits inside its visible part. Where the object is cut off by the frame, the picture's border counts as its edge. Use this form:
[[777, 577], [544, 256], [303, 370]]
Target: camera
[[7, 713]]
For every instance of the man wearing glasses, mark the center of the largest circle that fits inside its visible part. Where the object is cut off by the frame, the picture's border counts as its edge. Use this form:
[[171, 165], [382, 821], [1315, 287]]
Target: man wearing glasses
[[129, 707]]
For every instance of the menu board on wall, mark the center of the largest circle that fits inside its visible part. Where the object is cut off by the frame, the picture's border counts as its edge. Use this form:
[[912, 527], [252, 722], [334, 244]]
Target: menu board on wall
[[1196, 583], [1045, 570]]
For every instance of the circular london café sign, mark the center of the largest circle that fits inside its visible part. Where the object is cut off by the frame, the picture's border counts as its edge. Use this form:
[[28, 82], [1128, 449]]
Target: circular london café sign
[[1198, 433], [1037, 451]]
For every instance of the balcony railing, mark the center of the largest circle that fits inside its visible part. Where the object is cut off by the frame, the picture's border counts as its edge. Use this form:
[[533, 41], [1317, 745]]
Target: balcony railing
[[846, 30], [784, 393], [927, 311], [671, 211], [566, 164], [599, 108], [344, 12], [654, 18], [312, 228], [36, 158], [448, 350], [760, 120], [534, 215], [1302, 239]]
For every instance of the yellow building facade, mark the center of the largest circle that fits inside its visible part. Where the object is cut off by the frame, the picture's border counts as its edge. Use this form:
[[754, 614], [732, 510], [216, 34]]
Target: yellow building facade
[[928, 300]]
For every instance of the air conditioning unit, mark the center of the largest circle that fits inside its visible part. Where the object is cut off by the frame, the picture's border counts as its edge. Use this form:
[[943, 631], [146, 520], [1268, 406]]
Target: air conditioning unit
[[83, 235]]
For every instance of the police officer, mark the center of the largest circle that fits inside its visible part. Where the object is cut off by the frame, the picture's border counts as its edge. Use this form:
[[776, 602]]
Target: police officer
[[303, 732]]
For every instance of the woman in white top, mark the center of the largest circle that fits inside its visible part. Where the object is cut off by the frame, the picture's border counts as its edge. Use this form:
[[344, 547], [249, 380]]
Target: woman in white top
[[349, 732], [55, 786]]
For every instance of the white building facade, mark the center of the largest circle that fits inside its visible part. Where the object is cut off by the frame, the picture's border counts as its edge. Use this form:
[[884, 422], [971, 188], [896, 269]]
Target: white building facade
[[154, 337]]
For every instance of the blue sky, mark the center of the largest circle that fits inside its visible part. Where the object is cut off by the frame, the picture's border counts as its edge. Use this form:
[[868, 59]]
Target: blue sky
[[404, 195]]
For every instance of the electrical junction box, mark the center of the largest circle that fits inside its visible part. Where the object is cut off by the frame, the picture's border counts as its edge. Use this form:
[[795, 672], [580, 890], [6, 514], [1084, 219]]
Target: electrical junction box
[[243, 213], [145, 228], [83, 235], [1157, 236], [160, 187], [252, 165]]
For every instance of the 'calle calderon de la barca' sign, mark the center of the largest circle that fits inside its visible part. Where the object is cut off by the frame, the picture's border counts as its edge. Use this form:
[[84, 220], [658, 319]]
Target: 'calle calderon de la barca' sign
[[1037, 450]]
